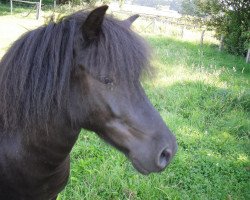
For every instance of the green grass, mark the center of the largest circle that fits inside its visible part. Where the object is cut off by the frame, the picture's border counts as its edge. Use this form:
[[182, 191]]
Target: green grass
[[203, 95]]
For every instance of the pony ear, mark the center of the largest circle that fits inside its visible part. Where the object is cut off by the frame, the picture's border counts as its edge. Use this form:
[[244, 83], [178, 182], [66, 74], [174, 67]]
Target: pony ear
[[92, 25], [131, 19]]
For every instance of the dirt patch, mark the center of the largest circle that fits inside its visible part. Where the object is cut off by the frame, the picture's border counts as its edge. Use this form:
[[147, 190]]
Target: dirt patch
[[12, 27]]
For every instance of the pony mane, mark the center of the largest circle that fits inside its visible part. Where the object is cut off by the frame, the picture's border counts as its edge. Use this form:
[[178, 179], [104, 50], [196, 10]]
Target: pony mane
[[36, 71]]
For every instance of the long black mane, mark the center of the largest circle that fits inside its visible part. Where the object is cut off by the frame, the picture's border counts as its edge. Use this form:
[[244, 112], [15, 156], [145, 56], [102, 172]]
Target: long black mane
[[36, 72]]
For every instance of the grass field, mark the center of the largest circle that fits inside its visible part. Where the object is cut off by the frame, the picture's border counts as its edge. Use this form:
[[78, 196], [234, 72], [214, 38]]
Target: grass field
[[204, 97]]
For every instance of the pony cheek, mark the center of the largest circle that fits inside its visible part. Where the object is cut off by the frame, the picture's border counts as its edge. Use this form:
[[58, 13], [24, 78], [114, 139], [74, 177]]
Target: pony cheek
[[119, 135]]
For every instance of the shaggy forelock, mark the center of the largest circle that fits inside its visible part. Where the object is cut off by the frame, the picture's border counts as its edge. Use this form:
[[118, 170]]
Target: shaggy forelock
[[35, 73], [118, 53]]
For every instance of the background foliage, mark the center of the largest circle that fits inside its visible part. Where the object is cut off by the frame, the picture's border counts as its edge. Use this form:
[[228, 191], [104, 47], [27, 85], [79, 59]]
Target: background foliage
[[230, 18]]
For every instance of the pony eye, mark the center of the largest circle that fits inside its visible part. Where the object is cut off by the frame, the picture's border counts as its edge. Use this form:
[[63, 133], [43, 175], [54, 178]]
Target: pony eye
[[107, 81]]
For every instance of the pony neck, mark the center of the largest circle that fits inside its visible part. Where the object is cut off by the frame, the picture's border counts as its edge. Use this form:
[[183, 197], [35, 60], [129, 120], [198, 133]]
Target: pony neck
[[54, 144]]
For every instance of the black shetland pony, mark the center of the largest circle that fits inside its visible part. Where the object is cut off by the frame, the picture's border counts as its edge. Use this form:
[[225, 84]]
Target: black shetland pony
[[83, 72]]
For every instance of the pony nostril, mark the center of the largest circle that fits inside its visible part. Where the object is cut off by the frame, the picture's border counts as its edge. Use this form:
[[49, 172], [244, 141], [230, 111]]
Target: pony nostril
[[164, 158]]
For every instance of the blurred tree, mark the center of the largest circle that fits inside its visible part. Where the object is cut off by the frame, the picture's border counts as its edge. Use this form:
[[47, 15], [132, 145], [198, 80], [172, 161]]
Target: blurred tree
[[176, 5], [230, 18]]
